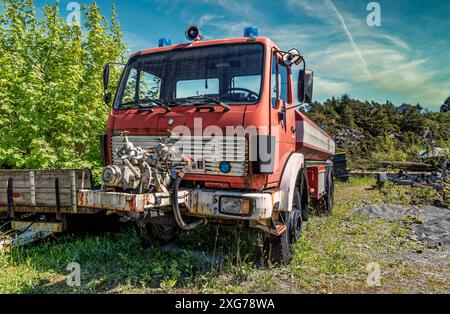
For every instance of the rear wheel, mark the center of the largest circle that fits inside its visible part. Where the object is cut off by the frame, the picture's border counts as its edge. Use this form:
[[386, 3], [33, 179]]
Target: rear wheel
[[324, 206], [329, 188]]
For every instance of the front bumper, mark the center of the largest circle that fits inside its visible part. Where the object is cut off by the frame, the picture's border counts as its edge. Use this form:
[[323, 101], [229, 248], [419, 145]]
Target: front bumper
[[198, 202]]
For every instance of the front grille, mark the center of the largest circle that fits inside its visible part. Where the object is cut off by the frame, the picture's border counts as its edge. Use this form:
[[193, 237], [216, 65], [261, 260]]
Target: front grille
[[208, 151]]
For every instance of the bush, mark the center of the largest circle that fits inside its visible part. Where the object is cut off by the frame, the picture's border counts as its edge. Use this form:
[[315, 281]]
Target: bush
[[51, 109]]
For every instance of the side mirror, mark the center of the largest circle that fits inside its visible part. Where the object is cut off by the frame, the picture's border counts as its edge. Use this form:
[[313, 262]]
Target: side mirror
[[291, 57], [107, 97], [106, 76], [305, 86]]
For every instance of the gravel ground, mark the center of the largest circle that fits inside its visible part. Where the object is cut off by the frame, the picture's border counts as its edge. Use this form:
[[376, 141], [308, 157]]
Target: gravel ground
[[431, 225]]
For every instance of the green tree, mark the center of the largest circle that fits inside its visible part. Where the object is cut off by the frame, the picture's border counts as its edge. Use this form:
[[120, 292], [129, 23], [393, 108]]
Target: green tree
[[369, 130], [52, 110]]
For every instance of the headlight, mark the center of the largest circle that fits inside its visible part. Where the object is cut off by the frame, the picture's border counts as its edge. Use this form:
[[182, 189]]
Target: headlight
[[234, 206]]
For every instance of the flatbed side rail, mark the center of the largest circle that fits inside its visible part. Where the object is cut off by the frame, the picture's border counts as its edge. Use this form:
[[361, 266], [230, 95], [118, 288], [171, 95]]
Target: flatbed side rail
[[42, 191]]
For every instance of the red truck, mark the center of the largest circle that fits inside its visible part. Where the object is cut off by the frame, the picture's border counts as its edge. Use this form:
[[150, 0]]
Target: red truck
[[208, 132]]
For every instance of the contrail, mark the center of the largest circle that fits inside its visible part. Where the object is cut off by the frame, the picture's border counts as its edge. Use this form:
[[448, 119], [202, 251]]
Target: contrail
[[350, 38]]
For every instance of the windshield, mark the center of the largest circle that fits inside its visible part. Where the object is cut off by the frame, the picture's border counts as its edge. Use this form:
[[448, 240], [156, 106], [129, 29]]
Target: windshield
[[230, 74]]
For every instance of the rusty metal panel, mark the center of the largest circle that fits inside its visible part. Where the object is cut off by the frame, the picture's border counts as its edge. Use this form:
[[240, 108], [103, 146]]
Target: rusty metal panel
[[25, 232], [117, 201], [205, 203], [52, 227], [73, 192], [113, 200], [316, 181], [32, 189]]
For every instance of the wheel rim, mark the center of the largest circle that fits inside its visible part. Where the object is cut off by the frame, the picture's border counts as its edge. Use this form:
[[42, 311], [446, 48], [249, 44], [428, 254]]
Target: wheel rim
[[296, 222]]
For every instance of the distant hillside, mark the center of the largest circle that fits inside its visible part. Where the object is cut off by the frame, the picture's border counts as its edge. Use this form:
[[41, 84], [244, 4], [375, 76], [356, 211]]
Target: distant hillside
[[375, 132]]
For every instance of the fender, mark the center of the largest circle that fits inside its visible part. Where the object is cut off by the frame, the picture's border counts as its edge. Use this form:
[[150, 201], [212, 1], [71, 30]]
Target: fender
[[288, 180]]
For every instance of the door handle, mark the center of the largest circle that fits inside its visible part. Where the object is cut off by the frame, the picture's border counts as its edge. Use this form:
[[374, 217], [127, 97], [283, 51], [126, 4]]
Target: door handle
[[280, 116]]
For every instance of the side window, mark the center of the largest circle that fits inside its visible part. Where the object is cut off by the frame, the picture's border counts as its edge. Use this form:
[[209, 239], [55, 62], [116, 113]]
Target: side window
[[149, 86], [274, 82], [130, 88], [279, 82], [283, 74]]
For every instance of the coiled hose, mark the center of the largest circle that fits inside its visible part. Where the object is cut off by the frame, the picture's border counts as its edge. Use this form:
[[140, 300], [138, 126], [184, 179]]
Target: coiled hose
[[176, 208]]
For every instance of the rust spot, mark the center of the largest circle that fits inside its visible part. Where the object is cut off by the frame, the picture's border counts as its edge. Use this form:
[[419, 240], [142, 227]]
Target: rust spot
[[80, 199], [17, 194], [130, 204]]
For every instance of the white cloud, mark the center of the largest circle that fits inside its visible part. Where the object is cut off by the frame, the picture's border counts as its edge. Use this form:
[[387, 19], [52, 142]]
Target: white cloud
[[135, 42], [355, 47], [324, 87], [389, 60], [208, 17], [237, 7]]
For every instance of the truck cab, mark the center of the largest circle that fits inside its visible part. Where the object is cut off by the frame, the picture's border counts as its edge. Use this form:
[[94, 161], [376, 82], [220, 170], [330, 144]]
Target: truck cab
[[207, 132]]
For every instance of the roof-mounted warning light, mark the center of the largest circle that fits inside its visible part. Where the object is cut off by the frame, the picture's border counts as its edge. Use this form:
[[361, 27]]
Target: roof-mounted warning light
[[251, 31], [193, 33], [163, 42]]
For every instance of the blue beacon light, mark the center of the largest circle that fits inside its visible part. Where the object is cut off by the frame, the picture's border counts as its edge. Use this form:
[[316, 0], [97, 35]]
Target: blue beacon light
[[163, 42], [251, 31]]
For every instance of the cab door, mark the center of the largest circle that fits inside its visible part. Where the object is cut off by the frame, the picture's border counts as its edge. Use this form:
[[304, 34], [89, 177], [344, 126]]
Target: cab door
[[282, 121]]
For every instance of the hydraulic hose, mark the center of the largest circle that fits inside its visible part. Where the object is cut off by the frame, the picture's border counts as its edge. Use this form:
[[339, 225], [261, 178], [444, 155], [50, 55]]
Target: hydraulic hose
[[176, 208]]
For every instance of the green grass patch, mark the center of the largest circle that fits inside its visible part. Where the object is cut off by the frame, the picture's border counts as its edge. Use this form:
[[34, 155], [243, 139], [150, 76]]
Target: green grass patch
[[331, 256]]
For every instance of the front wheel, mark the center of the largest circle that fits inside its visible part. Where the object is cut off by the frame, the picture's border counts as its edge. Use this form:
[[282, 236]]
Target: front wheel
[[279, 249], [162, 233]]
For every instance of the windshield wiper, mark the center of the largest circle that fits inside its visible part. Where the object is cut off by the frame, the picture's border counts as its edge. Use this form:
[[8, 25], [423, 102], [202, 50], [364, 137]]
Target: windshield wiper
[[204, 97], [141, 103], [216, 101]]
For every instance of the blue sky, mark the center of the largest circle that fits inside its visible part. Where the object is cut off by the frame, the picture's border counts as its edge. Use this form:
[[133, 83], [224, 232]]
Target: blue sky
[[406, 59]]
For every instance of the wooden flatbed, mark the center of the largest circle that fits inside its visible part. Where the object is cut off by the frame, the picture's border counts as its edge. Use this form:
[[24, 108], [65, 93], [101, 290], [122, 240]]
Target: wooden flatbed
[[38, 203], [43, 191]]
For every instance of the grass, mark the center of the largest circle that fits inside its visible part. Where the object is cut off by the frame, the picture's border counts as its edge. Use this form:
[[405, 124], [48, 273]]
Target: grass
[[331, 257]]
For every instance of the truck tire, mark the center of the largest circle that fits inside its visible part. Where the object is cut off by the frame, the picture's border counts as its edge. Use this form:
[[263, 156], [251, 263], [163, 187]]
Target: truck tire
[[303, 189], [329, 188], [278, 249], [297, 218], [162, 233]]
